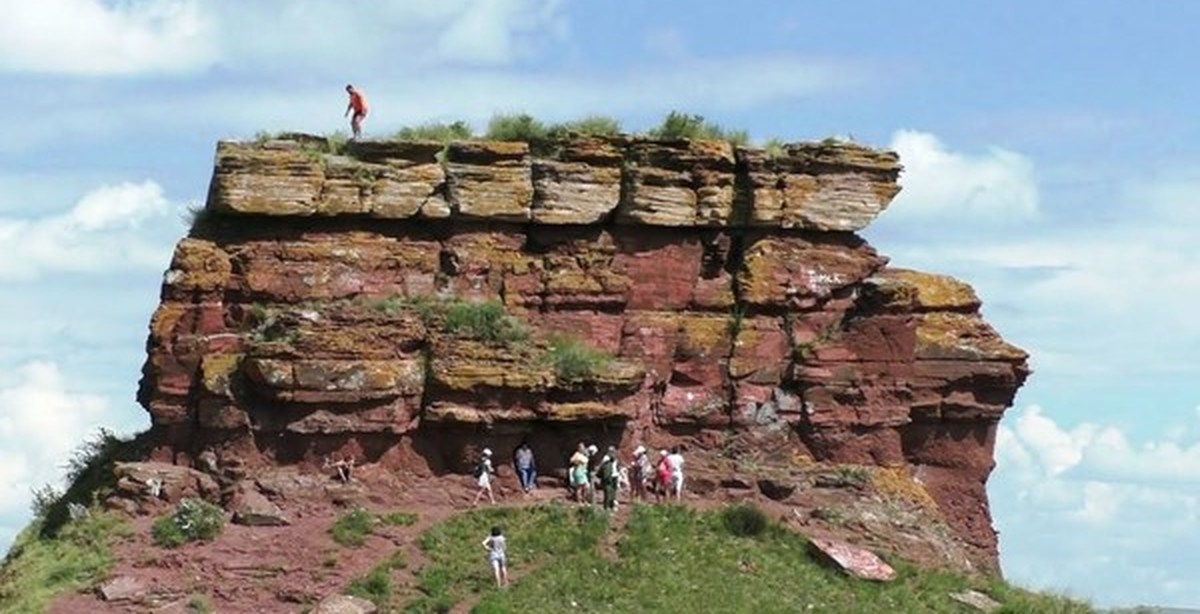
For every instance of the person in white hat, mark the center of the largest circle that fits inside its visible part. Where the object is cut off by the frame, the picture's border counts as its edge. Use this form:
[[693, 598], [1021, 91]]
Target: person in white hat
[[577, 475], [483, 477], [639, 473]]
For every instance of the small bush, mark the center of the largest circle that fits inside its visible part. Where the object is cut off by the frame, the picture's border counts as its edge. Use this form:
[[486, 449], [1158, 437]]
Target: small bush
[[436, 131], [192, 520], [774, 148], [516, 127], [487, 322], [199, 604], [375, 587], [573, 360], [89, 477], [678, 125], [592, 125], [336, 141], [353, 527], [399, 519], [744, 520]]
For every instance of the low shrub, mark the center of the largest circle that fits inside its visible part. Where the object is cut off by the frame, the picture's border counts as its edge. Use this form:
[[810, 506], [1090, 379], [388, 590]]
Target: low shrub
[[353, 527], [487, 322], [192, 520], [436, 131], [744, 520], [678, 125], [516, 127], [89, 475], [592, 125], [375, 587], [574, 360], [399, 519]]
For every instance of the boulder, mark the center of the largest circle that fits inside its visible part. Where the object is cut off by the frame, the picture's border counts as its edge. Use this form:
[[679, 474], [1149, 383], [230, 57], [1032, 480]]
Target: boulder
[[251, 508], [344, 604], [154, 481], [853, 561], [121, 588]]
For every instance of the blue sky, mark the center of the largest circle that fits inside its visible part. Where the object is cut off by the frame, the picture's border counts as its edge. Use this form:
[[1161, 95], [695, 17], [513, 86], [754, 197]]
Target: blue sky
[[1052, 155]]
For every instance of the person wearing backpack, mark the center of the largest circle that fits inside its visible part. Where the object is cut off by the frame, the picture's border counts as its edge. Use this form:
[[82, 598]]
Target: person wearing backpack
[[483, 477], [607, 472]]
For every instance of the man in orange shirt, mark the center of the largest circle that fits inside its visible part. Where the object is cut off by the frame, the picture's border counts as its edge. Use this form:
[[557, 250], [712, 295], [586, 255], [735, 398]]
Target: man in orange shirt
[[358, 104]]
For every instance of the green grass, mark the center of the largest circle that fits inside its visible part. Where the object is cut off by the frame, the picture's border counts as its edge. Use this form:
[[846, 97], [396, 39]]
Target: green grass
[[674, 559], [436, 131], [376, 586], [678, 125], [574, 360], [352, 528], [192, 520], [39, 567], [538, 538], [592, 125], [486, 321], [515, 127], [199, 604]]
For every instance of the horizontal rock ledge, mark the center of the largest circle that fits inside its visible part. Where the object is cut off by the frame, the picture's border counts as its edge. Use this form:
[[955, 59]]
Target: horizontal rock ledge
[[825, 186]]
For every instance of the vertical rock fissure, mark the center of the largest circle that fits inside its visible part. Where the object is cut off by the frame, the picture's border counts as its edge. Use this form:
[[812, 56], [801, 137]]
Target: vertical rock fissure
[[737, 316]]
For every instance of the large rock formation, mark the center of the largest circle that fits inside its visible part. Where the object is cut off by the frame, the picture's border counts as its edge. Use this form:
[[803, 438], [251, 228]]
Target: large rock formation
[[348, 304]]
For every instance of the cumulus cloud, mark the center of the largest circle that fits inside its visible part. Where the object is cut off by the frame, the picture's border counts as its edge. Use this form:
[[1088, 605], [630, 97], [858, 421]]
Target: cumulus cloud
[[42, 420], [95, 37], [996, 186], [101, 232], [341, 39], [1087, 504], [91, 37]]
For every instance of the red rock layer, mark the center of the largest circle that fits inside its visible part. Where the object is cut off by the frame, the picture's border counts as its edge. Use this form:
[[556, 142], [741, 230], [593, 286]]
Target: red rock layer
[[284, 339]]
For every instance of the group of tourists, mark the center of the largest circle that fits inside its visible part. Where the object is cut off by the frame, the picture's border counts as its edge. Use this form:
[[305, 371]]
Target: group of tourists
[[587, 472], [590, 472]]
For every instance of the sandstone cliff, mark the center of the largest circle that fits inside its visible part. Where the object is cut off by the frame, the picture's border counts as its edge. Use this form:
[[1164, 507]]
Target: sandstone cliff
[[307, 313]]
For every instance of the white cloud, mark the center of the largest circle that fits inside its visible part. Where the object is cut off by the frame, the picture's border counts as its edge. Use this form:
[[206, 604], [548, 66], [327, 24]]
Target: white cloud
[[997, 186], [493, 31], [1083, 505], [90, 37], [357, 44], [41, 422], [101, 232]]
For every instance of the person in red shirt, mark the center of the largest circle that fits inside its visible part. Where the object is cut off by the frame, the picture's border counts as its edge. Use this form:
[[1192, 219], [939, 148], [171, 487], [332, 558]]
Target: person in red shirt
[[357, 104]]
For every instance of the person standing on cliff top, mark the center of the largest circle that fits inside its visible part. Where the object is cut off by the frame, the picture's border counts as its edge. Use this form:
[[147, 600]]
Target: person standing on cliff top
[[357, 104]]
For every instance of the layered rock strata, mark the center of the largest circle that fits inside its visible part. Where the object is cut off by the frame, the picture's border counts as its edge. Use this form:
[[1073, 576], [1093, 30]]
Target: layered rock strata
[[317, 309]]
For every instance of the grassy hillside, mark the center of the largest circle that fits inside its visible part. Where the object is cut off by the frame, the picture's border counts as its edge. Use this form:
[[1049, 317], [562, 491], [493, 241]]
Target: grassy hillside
[[38, 567], [567, 559], [666, 559]]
